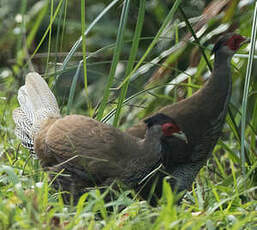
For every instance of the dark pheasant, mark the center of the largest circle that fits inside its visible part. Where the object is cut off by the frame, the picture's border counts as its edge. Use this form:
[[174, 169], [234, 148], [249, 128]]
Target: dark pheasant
[[201, 117]]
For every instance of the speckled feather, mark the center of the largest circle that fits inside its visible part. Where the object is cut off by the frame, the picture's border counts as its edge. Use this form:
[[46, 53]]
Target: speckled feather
[[37, 103]]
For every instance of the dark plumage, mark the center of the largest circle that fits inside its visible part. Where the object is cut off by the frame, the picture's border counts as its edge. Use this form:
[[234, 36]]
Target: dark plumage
[[201, 117]]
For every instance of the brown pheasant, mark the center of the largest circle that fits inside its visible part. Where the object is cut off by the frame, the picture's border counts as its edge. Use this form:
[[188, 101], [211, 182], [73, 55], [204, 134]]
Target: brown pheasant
[[88, 152]]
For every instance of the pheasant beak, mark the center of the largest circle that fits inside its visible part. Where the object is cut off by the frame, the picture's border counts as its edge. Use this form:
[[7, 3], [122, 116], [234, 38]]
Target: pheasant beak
[[181, 135]]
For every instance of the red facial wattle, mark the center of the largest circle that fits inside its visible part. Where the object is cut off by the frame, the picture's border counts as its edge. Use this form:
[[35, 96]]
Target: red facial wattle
[[235, 41], [169, 128]]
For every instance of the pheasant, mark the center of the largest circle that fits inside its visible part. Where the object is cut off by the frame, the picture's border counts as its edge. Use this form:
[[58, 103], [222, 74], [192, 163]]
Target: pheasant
[[86, 151], [201, 117]]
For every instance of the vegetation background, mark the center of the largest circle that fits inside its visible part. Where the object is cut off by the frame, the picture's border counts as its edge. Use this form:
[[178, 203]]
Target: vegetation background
[[135, 57]]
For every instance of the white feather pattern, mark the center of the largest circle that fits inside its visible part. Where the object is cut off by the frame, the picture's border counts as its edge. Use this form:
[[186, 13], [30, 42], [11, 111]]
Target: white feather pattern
[[37, 103]]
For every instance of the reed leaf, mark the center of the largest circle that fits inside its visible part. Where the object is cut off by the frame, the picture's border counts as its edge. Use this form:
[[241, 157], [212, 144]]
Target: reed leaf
[[246, 87], [131, 60], [116, 56]]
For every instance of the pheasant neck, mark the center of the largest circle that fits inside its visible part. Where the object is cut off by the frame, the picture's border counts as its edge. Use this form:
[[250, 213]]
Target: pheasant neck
[[214, 99], [221, 76], [218, 88]]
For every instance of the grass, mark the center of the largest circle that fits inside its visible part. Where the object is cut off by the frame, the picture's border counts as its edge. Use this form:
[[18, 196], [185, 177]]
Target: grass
[[222, 196], [247, 84]]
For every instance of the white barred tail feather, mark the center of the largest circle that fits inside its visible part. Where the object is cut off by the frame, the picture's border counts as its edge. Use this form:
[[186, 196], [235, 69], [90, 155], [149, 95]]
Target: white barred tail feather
[[37, 103]]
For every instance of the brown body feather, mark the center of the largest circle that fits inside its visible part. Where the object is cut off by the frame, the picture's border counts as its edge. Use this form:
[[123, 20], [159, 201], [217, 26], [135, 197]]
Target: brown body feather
[[97, 149]]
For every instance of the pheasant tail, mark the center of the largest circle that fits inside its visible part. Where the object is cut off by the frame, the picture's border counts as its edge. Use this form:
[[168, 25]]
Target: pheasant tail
[[37, 103]]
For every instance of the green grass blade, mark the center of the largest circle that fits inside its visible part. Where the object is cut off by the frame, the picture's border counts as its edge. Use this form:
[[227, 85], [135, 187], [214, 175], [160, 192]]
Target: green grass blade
[[83, 28], [64, 23], [73, 88], [144, 91], [58, 34], [36, 25], [116, 55], [23, 8], [195, 37], [246, 87], [233, 126], [131, 60], [47, 30], [155, 40], [32, 33], [50, 36], [78, 42]]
